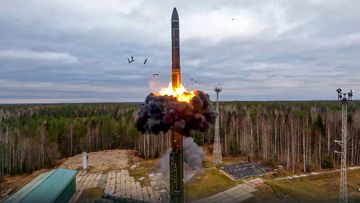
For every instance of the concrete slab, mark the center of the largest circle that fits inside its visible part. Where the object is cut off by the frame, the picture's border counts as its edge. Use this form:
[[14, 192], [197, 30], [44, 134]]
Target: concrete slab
[[236, 194]]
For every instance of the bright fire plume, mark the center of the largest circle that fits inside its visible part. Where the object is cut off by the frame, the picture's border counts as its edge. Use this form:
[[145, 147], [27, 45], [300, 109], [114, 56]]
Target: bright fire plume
[[180, 93]]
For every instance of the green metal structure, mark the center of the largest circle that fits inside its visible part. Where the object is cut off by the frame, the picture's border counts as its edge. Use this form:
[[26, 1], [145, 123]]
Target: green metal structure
[[55, 186]]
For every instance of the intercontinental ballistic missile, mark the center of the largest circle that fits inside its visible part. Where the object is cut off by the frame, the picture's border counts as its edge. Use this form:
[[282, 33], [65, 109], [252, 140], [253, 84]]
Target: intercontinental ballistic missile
[[176, 154], [175, 48]]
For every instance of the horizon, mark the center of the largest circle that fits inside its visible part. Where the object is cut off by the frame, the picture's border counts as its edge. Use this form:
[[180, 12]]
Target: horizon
[[141, 102]]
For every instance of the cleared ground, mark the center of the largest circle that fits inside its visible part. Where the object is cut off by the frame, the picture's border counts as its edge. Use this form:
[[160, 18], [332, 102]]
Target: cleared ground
[[101, 161], [317, 188], [207, 183]]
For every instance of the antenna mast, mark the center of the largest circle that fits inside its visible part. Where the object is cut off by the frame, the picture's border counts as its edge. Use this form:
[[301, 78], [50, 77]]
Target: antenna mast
[[344, 98], [217, 155]]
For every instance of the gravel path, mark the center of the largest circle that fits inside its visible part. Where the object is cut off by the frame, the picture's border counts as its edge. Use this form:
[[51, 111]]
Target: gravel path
[[314, 173]]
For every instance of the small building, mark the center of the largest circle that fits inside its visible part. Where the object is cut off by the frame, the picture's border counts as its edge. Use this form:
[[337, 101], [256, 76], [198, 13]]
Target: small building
[[55, 186]]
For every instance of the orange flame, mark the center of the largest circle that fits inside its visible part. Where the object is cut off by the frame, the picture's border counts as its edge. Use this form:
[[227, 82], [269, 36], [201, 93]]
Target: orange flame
[[179, 93]]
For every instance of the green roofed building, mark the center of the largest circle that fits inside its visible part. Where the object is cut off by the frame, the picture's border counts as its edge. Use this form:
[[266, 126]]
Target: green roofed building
[[58, 185]]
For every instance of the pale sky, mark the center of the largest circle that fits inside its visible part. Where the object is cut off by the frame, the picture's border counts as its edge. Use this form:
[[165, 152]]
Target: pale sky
[[76, 50]]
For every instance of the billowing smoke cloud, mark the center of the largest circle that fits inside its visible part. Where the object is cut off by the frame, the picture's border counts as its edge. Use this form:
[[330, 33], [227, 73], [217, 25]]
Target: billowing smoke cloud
[[193, 157], [161, 113]]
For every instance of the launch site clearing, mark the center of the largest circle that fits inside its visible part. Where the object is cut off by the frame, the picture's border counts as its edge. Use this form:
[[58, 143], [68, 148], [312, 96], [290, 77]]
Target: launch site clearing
[[140, 179]]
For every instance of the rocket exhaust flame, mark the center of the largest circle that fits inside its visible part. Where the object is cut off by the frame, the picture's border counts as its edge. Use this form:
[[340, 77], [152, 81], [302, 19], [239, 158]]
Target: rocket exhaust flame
[[179, 93]]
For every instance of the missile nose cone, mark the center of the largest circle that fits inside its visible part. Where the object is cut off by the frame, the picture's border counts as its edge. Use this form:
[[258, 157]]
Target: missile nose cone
[[175, 15]]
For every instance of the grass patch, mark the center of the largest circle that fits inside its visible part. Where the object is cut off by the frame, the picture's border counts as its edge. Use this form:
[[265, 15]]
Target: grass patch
[[143, 171], [210, 164], [208, 183], [318, 188]]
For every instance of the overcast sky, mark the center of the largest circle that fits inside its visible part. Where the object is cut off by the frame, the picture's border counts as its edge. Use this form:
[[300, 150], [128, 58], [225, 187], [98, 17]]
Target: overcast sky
[[76, 50]]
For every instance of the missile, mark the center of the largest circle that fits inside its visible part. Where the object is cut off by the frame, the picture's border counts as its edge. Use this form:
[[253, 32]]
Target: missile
[[176, 154], [175, 48]]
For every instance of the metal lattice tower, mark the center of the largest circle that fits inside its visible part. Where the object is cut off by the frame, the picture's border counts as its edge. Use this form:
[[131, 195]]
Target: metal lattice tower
[[344, 98], [217, 155]]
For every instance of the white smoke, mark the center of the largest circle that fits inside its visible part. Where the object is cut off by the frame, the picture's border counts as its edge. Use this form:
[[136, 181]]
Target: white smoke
[[193, 157], [164, 163]]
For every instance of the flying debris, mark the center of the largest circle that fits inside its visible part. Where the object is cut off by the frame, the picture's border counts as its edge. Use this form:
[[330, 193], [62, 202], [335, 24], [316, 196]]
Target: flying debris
[[145, 61], [193, 80], [155, 75], [131, 60]]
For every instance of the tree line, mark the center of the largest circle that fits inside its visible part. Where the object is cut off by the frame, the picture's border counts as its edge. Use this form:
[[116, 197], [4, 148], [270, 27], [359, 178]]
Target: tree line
[[297, 135], [34, 136]]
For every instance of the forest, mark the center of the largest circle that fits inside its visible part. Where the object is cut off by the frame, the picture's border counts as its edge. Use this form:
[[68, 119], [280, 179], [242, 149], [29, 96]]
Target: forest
[[299, 135], [34, 136], [296, 134]]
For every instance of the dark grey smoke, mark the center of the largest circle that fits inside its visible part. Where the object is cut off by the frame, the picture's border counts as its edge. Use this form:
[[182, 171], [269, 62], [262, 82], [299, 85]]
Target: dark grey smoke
[[161, 113]]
